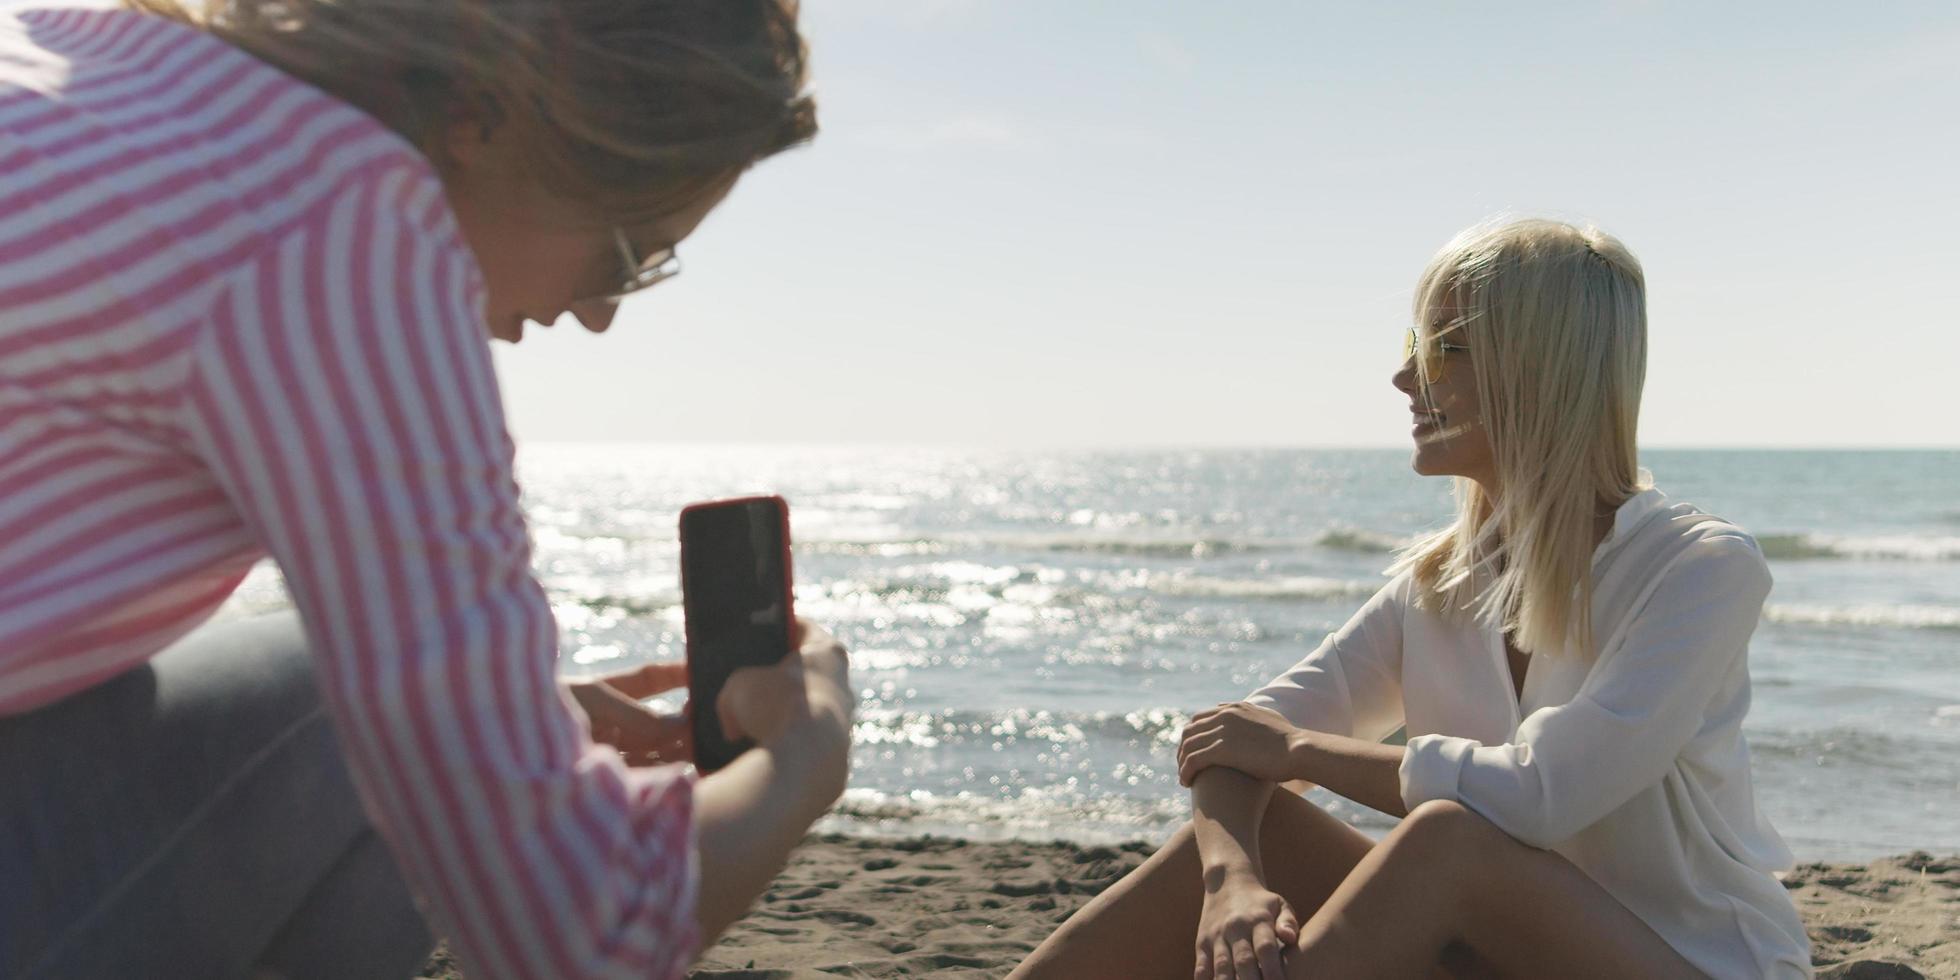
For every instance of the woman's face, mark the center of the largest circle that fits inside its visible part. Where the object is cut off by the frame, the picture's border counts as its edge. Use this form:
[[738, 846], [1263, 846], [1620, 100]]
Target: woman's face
[[541, 257], [1447, 422]]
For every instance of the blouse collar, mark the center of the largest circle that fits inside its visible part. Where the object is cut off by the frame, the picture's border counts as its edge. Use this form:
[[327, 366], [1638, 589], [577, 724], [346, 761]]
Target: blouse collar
[[1633, 512]]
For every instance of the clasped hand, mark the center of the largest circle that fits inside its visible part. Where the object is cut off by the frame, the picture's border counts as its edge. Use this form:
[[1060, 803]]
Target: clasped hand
[[643, 736], [1244, 931], [1254, 740]]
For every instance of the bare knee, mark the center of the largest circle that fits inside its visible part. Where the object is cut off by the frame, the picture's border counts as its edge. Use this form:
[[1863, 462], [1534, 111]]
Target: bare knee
[[1442, 843], [1186, 835], [1135, 926], [1440, 811], [1447, 826], [1427, 866]]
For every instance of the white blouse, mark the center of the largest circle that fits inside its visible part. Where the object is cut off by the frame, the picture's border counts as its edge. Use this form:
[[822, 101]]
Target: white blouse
[[1632, 766]]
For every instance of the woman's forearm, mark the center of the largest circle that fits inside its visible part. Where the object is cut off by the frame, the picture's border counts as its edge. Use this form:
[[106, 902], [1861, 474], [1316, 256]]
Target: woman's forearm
[[750, 814], [1227, 807], [1369, 773]]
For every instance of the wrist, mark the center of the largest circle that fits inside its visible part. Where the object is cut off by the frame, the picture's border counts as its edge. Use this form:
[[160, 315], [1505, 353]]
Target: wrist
[[1302, 749], [1231, 873], [814, 754]]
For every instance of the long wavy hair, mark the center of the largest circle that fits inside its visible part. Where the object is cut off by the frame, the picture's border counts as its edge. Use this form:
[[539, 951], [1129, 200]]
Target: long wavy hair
[[1555, 317], [635, 108]]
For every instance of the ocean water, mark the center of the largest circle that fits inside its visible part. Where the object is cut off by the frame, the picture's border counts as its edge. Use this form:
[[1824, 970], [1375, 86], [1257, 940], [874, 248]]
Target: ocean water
[[1029, 631]]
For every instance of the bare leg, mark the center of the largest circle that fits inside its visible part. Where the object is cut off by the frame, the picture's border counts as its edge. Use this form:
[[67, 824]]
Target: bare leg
[[1146, 924], [1448, 875]]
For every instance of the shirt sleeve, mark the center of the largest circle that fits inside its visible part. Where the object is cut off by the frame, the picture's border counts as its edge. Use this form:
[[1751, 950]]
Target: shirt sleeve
[[342, 394], [1574, 763], [1352, 683]]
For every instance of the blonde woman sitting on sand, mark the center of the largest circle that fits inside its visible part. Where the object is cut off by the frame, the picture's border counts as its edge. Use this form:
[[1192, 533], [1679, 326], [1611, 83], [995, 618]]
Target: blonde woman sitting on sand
[[1569, 658]]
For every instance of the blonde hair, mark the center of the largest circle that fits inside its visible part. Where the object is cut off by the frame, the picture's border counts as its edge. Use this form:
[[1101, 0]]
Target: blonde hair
[[1556, 321], [636, 108]]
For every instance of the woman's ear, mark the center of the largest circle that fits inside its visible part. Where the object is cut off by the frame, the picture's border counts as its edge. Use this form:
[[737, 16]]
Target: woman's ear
[[465, 142], [474, 132]]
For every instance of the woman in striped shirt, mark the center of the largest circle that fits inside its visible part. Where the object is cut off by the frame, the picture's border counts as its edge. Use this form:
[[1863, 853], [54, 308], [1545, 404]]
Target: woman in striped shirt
[[248, 257]]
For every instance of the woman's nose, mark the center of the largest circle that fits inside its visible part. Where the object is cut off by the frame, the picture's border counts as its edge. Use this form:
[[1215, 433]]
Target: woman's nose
[[1404, 378]]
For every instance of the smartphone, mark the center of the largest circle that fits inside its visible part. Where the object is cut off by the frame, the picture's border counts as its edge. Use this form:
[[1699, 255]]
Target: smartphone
[[736, 603]]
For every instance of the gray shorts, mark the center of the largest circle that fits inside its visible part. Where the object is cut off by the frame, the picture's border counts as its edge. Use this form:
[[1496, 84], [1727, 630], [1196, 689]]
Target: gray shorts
[[193, 818]]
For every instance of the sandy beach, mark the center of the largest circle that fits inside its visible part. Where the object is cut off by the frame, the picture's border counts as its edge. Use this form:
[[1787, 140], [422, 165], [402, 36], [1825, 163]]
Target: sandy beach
[[851, 907]]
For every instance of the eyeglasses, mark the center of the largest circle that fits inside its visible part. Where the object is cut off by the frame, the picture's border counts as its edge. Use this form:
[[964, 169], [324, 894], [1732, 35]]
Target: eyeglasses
[[1434, 370], [640, 273]]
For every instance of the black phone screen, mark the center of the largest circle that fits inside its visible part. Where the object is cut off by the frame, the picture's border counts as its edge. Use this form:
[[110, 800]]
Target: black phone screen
[[735, 589]]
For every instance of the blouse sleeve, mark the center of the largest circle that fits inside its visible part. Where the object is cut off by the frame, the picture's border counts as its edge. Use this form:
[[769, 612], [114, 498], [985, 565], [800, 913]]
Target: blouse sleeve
[[342, 395], [1573, 763], [1352, 683]]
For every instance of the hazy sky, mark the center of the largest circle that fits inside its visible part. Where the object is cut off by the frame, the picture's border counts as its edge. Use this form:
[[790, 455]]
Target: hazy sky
[[1169, 222]]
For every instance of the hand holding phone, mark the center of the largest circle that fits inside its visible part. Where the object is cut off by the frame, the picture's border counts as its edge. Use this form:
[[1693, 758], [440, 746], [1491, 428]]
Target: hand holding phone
[[738, 606], [759, 704]]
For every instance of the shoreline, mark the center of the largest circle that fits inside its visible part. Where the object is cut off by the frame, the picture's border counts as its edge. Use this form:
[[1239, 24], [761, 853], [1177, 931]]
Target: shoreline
[[850, 906]]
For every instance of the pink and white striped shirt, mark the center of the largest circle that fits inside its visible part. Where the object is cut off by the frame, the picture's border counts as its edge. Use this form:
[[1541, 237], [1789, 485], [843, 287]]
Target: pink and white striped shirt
[[237, 319]]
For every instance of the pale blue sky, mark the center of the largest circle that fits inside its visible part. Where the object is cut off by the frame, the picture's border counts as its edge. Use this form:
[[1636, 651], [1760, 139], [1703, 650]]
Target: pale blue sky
[[1167, 222]]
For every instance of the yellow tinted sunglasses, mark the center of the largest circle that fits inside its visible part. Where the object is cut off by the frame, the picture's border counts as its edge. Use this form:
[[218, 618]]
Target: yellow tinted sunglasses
[[1434, 370]]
